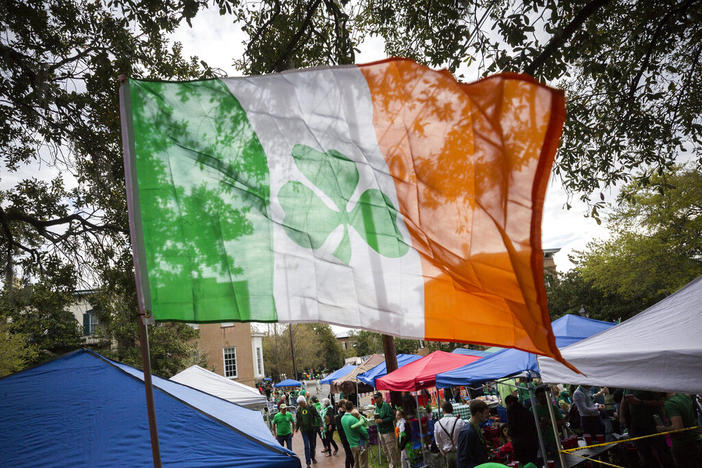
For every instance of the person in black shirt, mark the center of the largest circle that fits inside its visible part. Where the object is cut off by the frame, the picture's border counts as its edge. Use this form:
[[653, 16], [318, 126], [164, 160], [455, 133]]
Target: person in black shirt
[[522, 430], [472, 450]]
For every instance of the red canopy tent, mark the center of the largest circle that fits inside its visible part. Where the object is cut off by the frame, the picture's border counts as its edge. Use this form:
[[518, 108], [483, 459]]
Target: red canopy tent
[[422, 372]]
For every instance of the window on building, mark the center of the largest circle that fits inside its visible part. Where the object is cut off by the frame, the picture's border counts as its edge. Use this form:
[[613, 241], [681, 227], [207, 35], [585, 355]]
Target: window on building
[[229, 362], [90, 322], [226, 324], [343, 345], [259, 361]]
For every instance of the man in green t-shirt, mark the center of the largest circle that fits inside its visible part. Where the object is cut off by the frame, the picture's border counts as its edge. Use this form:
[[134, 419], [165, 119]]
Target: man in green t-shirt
[[384, 416], [678, 408], [638, 410], [284, 425]]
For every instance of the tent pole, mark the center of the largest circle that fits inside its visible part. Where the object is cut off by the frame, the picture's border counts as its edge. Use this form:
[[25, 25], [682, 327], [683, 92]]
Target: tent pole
[[538, 423], [421, 436], [561, 457], [129, 175]]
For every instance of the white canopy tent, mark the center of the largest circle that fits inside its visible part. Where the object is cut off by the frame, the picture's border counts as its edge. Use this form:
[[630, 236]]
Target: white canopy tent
[[659, 349], [214, 384]]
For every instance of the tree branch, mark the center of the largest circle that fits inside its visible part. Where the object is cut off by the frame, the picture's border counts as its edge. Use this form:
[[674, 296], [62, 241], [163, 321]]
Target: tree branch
[[14, 215], [654, 40], [283, 59], [561, 38], [259, 31]]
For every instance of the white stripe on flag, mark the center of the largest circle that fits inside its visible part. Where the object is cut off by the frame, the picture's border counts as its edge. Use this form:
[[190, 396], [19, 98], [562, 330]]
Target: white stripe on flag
[[331, 109]]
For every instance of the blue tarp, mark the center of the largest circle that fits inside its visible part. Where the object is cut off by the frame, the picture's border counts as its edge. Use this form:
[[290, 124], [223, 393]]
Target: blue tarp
[[568, 329], [288, 383], [337, 374], [369, 377], [85, 410], [472, 352]]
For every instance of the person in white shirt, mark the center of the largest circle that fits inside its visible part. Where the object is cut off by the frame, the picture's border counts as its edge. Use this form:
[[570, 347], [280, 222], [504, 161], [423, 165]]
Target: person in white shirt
[[446, 432]]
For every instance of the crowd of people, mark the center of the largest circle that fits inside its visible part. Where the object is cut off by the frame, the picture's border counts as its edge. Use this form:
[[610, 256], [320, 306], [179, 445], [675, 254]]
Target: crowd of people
[[582, 410]]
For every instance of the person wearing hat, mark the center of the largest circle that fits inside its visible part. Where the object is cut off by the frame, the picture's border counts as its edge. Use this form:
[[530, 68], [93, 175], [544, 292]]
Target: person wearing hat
[[385, 417], [284, 425], [308, 423]]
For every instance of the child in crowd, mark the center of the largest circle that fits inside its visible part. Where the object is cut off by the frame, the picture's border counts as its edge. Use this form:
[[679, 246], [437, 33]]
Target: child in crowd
[[404, 439], [362, 422]]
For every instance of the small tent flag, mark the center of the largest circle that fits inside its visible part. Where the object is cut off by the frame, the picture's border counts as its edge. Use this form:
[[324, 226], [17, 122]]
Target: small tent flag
[[385, 196]]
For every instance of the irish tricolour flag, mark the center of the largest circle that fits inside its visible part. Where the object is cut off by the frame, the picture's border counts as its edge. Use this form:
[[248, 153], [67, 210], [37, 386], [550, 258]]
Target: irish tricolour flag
[[385, 196]]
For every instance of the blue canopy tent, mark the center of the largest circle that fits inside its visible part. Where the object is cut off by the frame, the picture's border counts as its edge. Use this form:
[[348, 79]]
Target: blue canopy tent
[[472, 352], [568, 329], [288, 383], [337, 374], [85, 410], [370, 376]]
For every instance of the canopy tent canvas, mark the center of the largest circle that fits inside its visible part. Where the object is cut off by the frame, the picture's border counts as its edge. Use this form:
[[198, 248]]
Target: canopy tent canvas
[[369, 377], [471, 352], [288, 383], [329, 378], [422, 372], [222, 387], [349, 383], [508, 362], [659, 349], [85, 410]]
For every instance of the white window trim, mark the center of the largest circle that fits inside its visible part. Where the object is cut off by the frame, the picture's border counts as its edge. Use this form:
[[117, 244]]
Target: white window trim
[[224, 363]]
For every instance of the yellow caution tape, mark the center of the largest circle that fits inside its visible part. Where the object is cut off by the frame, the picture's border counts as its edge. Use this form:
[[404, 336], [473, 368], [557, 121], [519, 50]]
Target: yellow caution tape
[[597, 461], [603, 444]]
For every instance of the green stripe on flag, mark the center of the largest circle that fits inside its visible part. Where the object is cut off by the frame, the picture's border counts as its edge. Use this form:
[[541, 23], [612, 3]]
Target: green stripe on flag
[[203, 189]]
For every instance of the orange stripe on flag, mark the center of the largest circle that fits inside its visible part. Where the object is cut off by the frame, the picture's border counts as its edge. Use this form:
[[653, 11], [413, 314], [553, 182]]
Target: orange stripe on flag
[[471, 164]]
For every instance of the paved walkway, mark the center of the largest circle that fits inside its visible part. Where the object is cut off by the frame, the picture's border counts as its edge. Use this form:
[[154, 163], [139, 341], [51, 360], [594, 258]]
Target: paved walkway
[[323, 461]]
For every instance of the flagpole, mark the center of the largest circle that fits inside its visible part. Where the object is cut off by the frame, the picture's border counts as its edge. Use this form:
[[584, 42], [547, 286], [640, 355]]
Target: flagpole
[[127, 138]]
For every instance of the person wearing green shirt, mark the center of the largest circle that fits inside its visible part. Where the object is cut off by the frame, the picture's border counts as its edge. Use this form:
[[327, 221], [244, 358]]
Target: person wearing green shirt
[[545, 421], [385, 418], [308, 422], [284, 425], [678, 408], [354, 436]]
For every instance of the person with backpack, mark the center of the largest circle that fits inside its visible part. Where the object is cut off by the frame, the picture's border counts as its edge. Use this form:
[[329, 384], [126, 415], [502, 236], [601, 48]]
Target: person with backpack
[[308, 423], [446, 434]]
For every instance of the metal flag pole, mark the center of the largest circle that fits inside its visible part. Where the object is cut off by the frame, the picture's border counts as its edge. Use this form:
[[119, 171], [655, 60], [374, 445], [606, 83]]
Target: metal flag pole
[[129, 173], [538, 423], [559, 447]]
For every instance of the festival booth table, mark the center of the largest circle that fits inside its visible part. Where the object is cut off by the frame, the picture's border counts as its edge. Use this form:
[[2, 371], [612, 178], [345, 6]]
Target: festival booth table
[[659, 349], [421, 374], [349, 382], [369, 377], [83, 409], [222, 387], [329, 378]]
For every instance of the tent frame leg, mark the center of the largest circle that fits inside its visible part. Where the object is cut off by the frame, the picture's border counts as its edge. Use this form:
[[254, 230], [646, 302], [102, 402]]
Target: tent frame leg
[[552, 415], [532, 398], [421, 436]]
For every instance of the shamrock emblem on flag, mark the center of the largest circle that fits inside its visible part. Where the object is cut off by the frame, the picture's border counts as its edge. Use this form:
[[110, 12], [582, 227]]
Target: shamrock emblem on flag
[[309, 220]]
